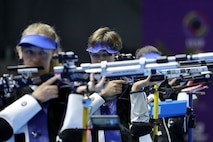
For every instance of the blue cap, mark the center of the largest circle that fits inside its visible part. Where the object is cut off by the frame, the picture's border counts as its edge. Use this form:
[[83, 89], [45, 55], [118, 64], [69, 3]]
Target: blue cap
[[150, 55], [38, 41], [101, 46]]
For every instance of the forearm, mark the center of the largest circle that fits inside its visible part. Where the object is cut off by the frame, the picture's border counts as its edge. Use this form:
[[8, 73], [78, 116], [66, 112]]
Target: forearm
[[20, 112], [97, 101], [74, 113], [140, 126], [139, 107], [72, 127]]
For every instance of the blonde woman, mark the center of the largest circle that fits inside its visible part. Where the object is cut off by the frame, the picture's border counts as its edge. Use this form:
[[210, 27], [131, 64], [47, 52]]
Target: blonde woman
[[36, 113]]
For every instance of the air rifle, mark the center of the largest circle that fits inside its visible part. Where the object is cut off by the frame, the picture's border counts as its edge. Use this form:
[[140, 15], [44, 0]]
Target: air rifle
[[140, 68], [23, 75], [131, 70]]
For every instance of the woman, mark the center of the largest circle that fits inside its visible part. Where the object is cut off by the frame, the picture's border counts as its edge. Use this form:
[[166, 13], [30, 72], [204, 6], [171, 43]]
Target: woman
[[41, 111]]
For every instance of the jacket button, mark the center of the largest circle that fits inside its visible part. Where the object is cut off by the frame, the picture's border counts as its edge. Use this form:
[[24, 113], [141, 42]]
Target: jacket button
[[24, 103], [35, 134]]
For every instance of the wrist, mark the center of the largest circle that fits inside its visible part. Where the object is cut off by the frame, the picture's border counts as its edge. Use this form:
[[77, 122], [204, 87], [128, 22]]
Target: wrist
[[137, 88], [134, 88], [140, 91], [36, 99], [102, 96]]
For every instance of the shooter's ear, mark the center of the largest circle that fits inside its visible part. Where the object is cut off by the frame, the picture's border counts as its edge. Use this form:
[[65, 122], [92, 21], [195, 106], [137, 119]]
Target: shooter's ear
[[57, 51], [19, 51], [19, 54]]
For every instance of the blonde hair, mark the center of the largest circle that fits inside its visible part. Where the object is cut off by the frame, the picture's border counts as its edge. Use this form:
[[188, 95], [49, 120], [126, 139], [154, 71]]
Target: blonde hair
[[146, 49], [43, 29], [46, 30], [106, 35]]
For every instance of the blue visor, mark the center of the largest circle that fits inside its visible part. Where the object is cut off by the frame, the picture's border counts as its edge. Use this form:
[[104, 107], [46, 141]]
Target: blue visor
[[38, 41], [101, 46], [150, 55]]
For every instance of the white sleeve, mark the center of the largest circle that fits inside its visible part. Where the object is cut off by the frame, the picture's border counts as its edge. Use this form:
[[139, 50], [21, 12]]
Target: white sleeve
[[20, 112], [140, 112], [74, 112], [139, 107], [146, 138], [97, 101]]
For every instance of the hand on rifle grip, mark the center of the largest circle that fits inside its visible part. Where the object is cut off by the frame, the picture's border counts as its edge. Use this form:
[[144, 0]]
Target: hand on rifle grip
[[96, 85], [143, 83], [46, 90]]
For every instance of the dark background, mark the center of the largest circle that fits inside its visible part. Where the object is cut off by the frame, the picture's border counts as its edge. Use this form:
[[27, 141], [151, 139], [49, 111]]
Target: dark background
[[73, 20]]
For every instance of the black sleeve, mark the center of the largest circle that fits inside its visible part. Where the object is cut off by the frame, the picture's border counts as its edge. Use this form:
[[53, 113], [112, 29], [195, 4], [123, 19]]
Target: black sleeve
[[141, 128], [6, 130], [71, 135]]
